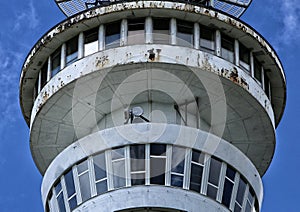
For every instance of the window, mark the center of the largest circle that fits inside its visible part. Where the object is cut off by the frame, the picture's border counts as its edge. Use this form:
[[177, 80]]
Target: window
[[197, 167], [228, 186], [240, 195], [60, 197], [161, 30], [213, 178], [137, 164], [257, 70], [90, 41], [207, 39], [100, 173], [84, 180], [71, 192], [250, 200], [72, 50], [267, 84], [244, 54], [227, 44], [112, 35], [185, 32], [36, 87], [177, 171], [136, 31], [55, 62], [118, 167], [44, 74], [157, 163]]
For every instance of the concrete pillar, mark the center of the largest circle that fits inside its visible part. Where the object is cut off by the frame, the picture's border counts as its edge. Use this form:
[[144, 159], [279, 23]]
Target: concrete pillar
[[149, 30], [63, 56], [218, 43], [101, 37], [236, 52], [81, 45], [173, 29], [124, 32], [49, 69], [196, 35]]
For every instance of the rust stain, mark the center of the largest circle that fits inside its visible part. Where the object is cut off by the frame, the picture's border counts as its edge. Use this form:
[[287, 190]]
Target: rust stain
[[102, 61]]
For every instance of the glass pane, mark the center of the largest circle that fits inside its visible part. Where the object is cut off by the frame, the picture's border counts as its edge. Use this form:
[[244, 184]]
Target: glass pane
[[157, 149], [136, 32], [58, 188], [248, 207], [72, 50], [119, 173], [214, 171], [55, 62], [176, 180], [257, 70], [83, 166], [251, 195], [61, 203], [237, 208], [185, 32], [137, 157], [241, 191], [99, 166], [227, 43], [85, 188], [230, 173], [228, 186], [112, 35], [157, 170], [207, 38], [73, 203], [44, 73], [161, 30], [101, 187], [212, 191], [91, 35], [196, 177], [244, 54], [198, 157], [117, 153], [178, 158], [70, 183], [138, 179]]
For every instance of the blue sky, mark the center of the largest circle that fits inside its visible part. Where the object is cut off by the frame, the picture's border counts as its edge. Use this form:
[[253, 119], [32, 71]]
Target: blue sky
[[24, 22]]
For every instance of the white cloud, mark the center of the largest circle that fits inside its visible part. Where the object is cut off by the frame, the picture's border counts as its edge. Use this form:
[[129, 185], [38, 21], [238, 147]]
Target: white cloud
[[28, 16], [290, 13]]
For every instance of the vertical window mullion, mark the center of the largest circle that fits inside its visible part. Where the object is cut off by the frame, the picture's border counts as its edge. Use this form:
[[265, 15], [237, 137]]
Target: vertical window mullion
[[196, 35], [187, 168], [205, 174], [127, 166], [221, 182], [234, 192], [147, 166], [124, 32], [92, 177], [236, 52], [245, 198], [65, 195], [55, 203], [110, 184], [101, 37], [173, 29], [49, 69], [218, 42], [168, 165], [149, 29], [76, 183]]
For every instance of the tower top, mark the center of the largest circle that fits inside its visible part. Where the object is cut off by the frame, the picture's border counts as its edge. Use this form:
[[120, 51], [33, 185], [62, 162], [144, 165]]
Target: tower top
[[233, 7]]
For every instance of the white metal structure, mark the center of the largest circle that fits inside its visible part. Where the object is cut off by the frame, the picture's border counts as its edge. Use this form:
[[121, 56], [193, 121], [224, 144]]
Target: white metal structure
[[152, 106]]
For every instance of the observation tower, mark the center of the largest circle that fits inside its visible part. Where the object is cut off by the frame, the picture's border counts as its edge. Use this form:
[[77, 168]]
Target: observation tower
[[158, 106]]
